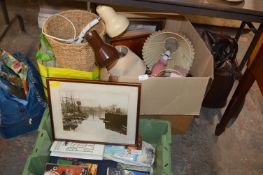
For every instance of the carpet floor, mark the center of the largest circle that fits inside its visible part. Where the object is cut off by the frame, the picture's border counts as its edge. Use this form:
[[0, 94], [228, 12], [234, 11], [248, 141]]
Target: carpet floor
[[238, 151]]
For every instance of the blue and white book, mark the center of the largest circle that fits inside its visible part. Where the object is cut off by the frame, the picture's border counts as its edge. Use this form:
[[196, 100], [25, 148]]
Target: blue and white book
[[116, 171], [122, 154]]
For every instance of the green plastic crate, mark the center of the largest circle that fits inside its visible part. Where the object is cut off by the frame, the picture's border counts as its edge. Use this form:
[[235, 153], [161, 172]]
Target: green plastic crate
[[156, 132], [45, 124]]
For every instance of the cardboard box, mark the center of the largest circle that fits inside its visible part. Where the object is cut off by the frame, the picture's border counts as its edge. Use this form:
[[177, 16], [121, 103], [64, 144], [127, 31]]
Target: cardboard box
[[178, 96]]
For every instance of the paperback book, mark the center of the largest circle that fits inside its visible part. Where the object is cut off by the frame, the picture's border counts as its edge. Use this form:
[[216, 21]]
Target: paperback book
[[77, 150], [101, 165], [122, 154], [116, 171], [55, 169]]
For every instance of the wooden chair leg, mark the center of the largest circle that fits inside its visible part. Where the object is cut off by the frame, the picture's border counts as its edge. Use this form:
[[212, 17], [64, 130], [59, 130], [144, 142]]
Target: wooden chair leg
[[233, 107]]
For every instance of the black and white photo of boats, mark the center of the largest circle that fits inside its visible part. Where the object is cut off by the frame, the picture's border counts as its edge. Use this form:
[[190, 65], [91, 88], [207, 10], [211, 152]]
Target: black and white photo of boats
[[94, 111], [82, 113]]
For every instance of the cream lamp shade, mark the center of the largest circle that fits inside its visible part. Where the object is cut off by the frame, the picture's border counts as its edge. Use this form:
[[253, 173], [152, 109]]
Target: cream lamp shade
[[182, 57], [115, 23], [128, 64]]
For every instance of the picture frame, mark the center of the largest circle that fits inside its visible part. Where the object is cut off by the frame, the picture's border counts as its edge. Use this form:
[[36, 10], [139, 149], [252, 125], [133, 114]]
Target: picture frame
[[138, 31], [94, 111], [146, 24]]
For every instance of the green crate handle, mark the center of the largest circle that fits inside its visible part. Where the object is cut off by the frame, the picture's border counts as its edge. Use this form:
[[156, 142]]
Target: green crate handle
[[43, 121], [43, 143]]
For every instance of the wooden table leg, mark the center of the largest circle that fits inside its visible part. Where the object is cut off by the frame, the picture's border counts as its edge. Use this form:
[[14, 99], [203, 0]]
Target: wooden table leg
[[234, 105], [7, 20], [4, 10]]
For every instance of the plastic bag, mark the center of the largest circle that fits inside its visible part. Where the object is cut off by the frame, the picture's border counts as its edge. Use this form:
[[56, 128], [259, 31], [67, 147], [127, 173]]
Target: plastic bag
[[20, 114], [224, 50]]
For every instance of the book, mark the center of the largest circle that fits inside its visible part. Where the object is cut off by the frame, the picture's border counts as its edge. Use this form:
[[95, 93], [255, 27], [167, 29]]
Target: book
[[92, 167], [101, 164], [55, 169], [77, 150], [117, 171], [135, 168], [122, 154]]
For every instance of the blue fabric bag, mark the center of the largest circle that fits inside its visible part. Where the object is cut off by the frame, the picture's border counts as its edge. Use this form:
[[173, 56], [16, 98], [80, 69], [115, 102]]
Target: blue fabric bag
[[21, 115]]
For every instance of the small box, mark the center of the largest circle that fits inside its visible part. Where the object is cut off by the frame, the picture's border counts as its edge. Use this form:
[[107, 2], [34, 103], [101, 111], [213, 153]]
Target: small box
[[178, 96]]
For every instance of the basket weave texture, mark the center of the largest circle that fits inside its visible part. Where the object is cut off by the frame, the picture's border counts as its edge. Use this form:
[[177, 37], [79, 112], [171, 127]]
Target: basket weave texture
[[75, 56]]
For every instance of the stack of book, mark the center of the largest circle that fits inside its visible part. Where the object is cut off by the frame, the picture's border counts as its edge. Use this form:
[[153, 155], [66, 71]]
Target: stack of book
[[98, 159]]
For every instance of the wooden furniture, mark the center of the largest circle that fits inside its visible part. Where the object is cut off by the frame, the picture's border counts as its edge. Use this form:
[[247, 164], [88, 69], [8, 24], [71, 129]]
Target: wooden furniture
[[247, 11], [9, 22], [132, 39], [258, 74]]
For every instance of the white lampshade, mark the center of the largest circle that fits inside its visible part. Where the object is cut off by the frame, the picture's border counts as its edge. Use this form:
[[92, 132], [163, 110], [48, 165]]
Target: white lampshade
[[115, 23], [129, 64]]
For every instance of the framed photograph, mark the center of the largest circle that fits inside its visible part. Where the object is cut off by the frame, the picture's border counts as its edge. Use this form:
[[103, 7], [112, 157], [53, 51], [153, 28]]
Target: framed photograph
[[147, 24], [94, 111], [138, 31]]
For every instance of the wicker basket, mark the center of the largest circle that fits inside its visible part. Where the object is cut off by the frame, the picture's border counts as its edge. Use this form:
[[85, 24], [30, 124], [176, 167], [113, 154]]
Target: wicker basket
[[74, 56]]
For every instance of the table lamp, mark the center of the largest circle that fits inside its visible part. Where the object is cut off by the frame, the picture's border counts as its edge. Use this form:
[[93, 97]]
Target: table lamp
[[115, 23], [105, 54]]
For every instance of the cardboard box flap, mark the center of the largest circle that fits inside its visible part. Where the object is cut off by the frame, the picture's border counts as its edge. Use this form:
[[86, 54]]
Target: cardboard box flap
[[203, 57], [164, 96]]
